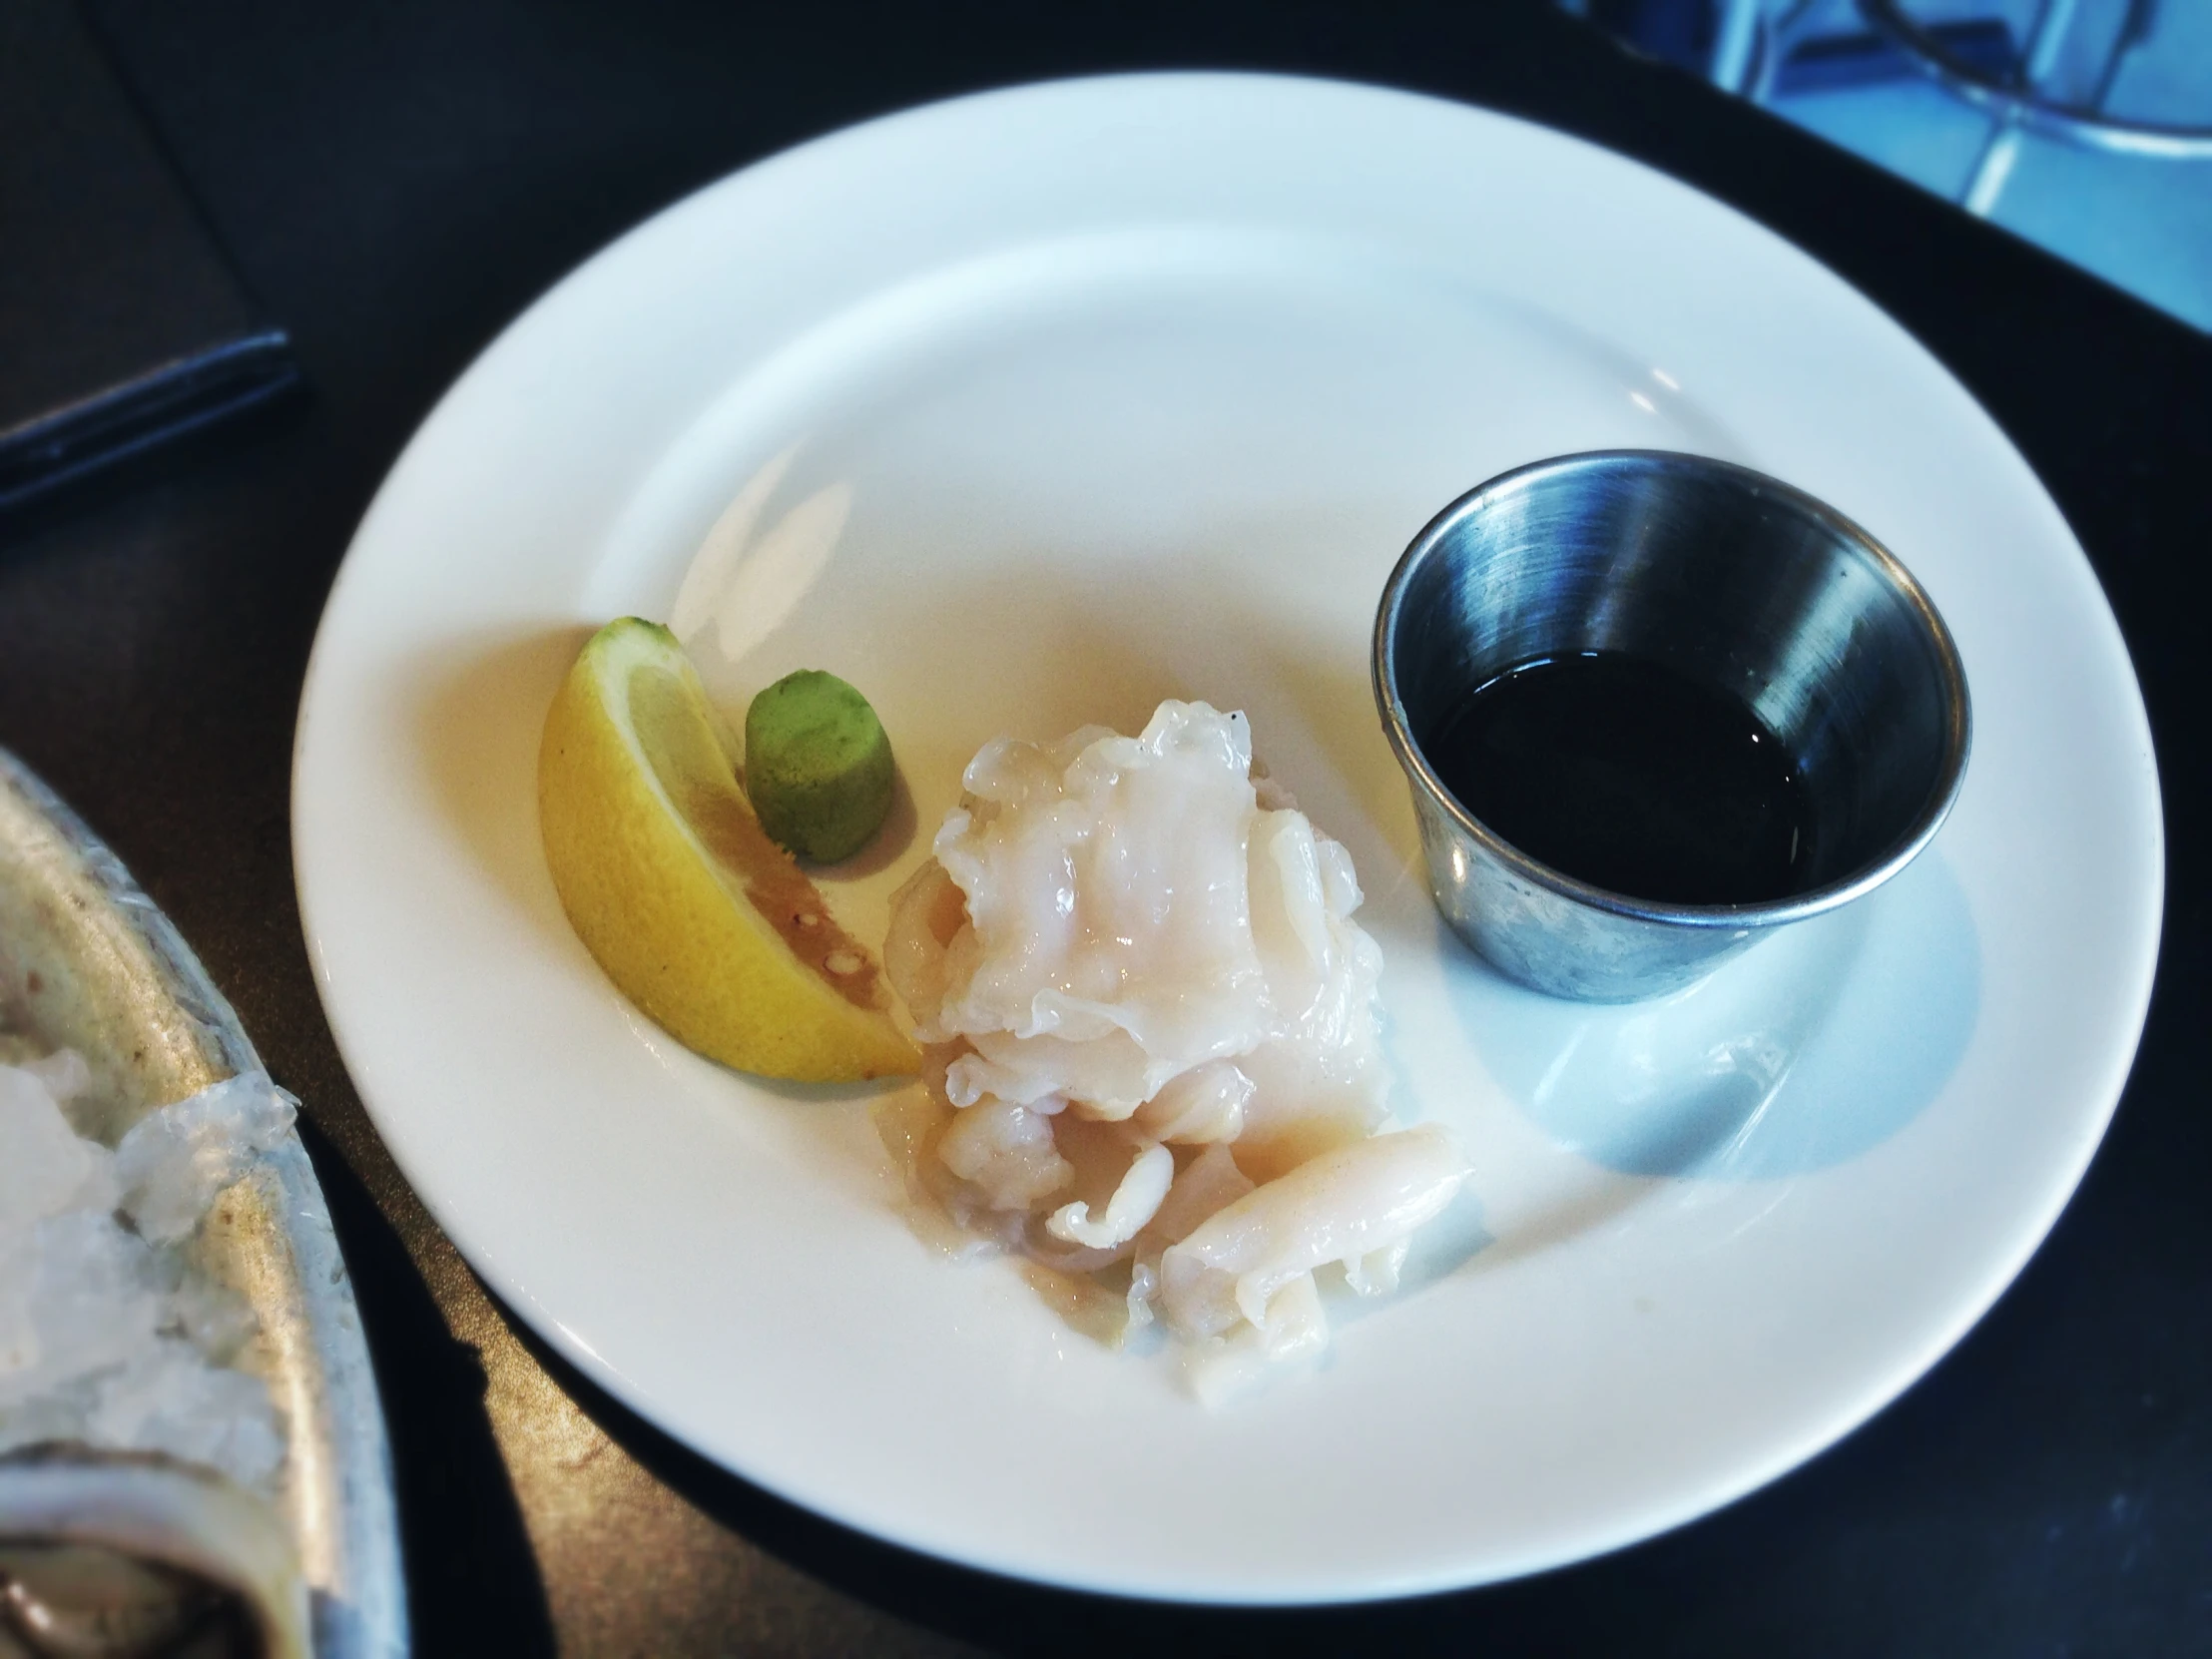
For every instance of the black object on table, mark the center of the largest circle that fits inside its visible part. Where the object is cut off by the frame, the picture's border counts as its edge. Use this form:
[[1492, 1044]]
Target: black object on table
[[120, 325], [398, 181]]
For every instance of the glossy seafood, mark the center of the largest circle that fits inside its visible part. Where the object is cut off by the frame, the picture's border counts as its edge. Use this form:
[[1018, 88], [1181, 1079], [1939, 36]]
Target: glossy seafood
[[1153, 1034]]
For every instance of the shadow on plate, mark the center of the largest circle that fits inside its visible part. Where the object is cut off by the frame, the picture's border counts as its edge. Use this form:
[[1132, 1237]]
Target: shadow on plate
[[1809, 1049], [889, 843], [477, 716], [474, 1580]]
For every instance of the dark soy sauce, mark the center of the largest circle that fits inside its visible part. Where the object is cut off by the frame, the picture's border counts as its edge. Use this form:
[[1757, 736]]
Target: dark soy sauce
[[1634, 778]]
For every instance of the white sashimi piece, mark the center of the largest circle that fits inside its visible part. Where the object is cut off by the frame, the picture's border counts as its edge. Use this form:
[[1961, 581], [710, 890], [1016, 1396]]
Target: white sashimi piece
[[1376, 1272], [1340, 882], [1144, 1285], [1113, 895], [928, 913], [1340, 1207], [1011, 774], [1105, 1316], [1110, 1075], [1322, 967], [1290, 918], [1125, 946], [1006, 1150], [1109, 913], [1296, 1324], [1220, 1369], [909, 1122], [1211, 1184], [1134, 1202], [1321, 1081], [1204, 1104], [1306, 1102]]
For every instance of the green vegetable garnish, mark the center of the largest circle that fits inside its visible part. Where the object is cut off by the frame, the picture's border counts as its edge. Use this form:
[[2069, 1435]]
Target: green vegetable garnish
[[817, 766]]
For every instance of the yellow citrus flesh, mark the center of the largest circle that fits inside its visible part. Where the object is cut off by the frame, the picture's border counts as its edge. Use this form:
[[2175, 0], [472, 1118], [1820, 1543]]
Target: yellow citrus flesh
[[667, 878]]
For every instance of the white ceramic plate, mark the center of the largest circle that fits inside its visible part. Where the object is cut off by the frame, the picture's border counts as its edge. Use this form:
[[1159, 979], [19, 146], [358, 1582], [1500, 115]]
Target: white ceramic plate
[[1031, 409]]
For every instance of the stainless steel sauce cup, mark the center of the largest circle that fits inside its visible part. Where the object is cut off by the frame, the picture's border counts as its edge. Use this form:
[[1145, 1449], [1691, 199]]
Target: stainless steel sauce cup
[[1722, 574]]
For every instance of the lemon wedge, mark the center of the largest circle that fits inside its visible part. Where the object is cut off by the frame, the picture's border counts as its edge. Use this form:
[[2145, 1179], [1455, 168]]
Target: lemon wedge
[[696, 916]]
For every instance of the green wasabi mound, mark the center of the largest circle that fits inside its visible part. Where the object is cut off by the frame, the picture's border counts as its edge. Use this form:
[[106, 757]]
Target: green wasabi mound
[[817, 766]]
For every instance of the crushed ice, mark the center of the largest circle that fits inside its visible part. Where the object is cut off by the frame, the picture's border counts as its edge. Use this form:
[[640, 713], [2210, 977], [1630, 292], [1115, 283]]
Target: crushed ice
[[109, 1334]]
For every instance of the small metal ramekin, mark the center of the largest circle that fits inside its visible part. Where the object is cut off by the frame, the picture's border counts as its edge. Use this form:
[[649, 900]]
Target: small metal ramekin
[[1720, 573]]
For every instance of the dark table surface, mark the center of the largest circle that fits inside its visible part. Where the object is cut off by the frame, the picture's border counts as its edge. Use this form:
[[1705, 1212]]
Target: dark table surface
[[393, 182]]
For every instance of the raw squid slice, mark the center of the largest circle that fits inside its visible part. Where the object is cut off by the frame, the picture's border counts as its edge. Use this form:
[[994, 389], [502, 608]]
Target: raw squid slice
[[1153, 1042], [1340, 1207], [1206, 1103], [1006, 1150], [1134, 1202]]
